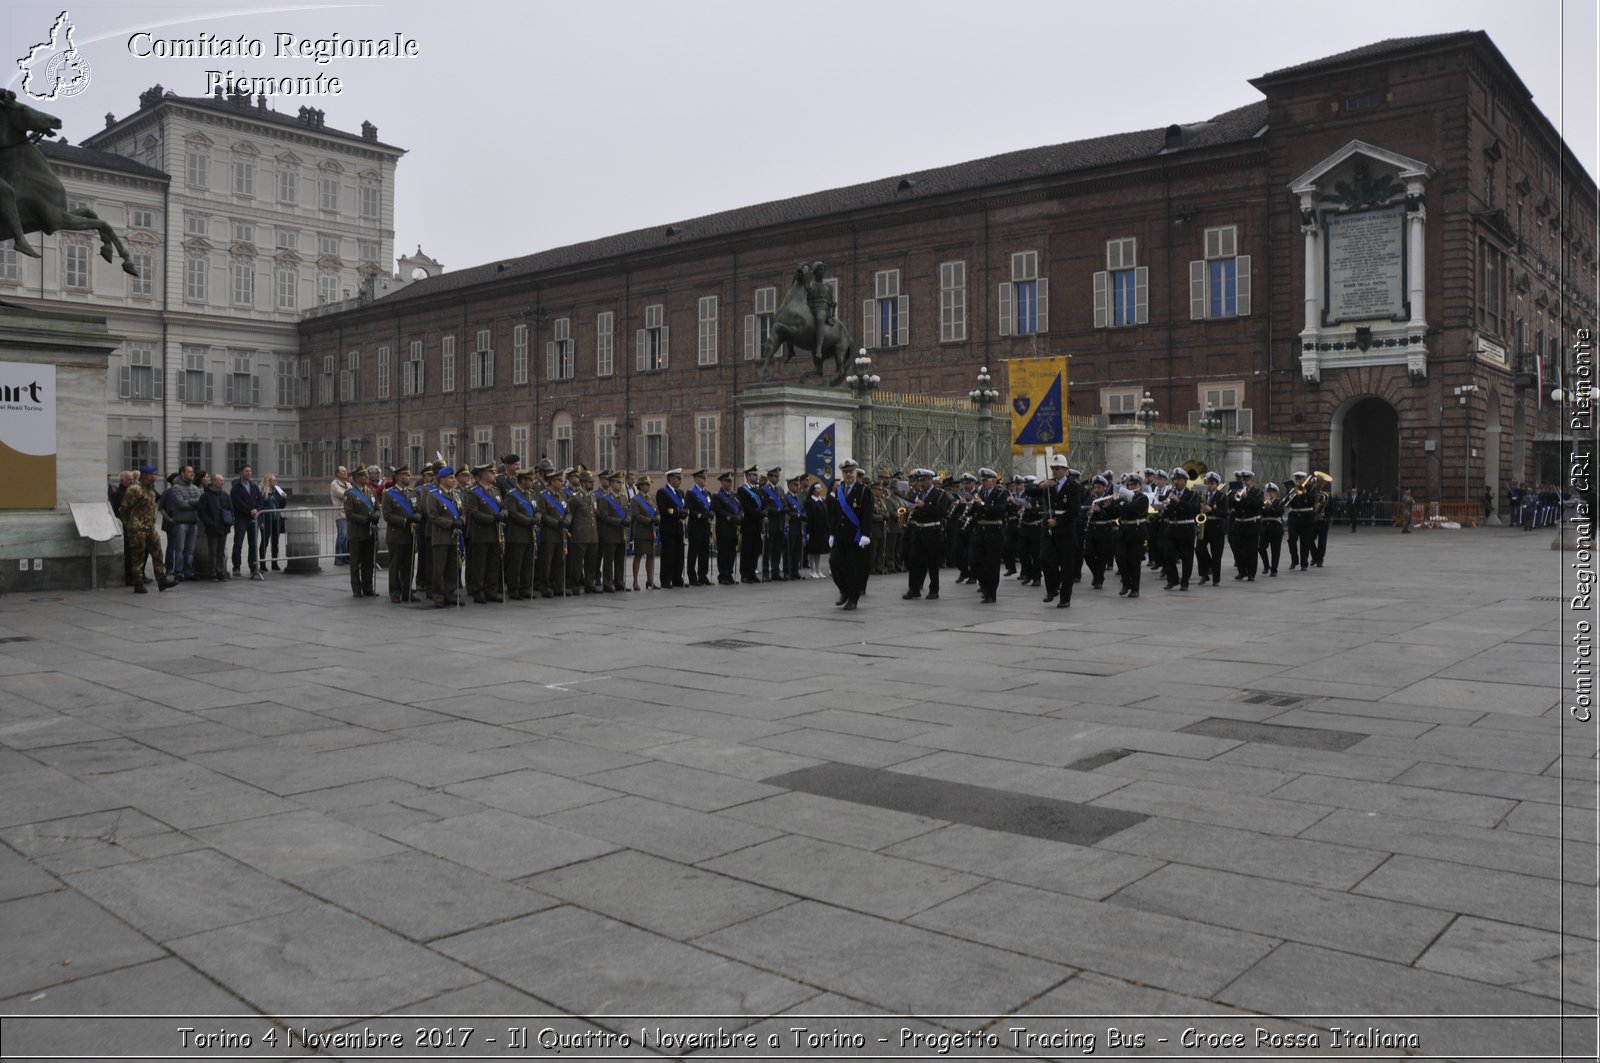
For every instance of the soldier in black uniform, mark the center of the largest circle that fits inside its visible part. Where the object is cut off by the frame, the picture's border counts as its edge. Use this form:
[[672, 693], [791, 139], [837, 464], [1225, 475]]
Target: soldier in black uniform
[[1322, 517], [697, 511], [1209, 552], [988, 533], [1133, 509], [1100, 531], [927, 507], [772, 513], [849, 521], [1011, 533], [751, 525], [1244, 525], [1271, 543], [725, 505], [1031, 545], [522, 520], [794, 531], [958, 529], [1178, 511], [1302, 529], [1157, 487], [669, 508]]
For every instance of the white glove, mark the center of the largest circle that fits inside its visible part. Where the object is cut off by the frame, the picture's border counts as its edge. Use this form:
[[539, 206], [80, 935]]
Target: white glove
[[864, 541], [830, 542]]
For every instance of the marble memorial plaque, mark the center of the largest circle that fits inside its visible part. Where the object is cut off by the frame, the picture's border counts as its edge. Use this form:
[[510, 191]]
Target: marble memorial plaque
[[1365, 256]]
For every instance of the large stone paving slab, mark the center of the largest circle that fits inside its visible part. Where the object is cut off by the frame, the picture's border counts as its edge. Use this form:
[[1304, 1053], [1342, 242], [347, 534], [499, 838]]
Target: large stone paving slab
[[172, 896], [60, 937]]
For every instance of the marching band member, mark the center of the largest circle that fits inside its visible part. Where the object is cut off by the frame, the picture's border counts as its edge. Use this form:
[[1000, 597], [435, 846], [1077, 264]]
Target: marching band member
[[1132, 510], [1178, 513], [1271, 530], [1244, 525]]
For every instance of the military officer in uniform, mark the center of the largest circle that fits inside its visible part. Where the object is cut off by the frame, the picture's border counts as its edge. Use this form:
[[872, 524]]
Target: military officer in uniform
[[725, 506], [553, 525], [794, 532], [140, 540], [442, 512], [611, 523], [752, 523], [583, 549], [697, 530], [958, 533], [849, 521], [424, 565], [401, 521], [1322, 517], [927, 508], [1057, 503], [486, 518], [522, 522], [361, 519], [772, 512], [669, 509], [510, 465]]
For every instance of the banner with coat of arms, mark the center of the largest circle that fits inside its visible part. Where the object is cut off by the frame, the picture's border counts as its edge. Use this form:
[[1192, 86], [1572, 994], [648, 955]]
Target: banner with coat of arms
[[1038, 403]]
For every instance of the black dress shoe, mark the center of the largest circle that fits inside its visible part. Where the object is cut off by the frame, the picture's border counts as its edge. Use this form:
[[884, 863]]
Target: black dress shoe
[[1063, 604], [987, 599], [1122, 593], [841, 601], [933, 596], [138, 588], [1133, 594], [1169, 586], [1049, 598], [908, 595], [850, 605]]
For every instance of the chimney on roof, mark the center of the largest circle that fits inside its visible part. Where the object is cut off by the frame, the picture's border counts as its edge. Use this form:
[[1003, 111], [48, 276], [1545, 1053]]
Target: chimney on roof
[[905, 185], [216, 94], [111, 119], [369, 131], [150, 96], [261, 102], [1174, 137]]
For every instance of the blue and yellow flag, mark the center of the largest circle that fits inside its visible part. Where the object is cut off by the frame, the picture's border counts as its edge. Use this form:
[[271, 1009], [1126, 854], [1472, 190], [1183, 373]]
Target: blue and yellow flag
[[1038, 403]]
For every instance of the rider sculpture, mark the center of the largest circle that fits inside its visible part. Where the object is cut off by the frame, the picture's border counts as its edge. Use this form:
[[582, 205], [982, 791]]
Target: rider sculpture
[[806, 320], [31, 196]]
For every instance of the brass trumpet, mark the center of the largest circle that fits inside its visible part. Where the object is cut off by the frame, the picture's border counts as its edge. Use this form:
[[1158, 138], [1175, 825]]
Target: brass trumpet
[[901, 515]]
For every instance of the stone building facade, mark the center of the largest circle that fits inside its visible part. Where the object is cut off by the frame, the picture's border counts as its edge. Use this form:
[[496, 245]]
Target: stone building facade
[[1328, 264], [241, 219]]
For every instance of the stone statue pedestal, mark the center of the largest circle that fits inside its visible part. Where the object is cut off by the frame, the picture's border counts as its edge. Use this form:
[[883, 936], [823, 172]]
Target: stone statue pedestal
[[775, 424], [77, 346]]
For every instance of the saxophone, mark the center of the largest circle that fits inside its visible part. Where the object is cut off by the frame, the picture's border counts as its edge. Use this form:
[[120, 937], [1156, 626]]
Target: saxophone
[[901, 515]]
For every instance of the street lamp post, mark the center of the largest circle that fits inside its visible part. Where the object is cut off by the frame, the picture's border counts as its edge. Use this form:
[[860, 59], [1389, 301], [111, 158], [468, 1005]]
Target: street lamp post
[[861, 382], [1148, 412], [1211, 424], [984, 396]]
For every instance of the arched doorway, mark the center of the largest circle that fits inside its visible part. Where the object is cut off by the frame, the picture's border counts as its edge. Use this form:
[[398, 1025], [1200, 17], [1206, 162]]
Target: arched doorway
[[1364, 446]]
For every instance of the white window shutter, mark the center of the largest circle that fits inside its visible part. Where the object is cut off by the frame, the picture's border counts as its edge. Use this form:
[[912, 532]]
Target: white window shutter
[[666, 345], [1043, 294], [158, 376], [1141, 295], [211, 390], [641, 352], [1213, 243], [902, 325], [227, 388], [122, 384], [869, 323], [488, 370], [1102, 299], [1197, 289], [1228, 241], [549, 359], [255, 391], [1246, 421], [1242, 263], [750, 336], [1007, 311]]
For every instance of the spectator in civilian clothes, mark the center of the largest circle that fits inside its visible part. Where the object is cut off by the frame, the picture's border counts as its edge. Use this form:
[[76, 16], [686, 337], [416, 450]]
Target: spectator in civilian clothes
[[180, 503], [215, 510], [336, 490], [273, 501], [247, 504]]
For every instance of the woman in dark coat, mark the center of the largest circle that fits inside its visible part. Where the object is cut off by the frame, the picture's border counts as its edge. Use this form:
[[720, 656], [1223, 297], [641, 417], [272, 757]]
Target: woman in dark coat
[[817, 528]]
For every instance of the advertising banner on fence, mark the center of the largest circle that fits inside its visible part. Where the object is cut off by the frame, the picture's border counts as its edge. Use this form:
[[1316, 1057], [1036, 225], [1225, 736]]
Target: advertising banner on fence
[[28, 435], [820, 448], [1038, 403]]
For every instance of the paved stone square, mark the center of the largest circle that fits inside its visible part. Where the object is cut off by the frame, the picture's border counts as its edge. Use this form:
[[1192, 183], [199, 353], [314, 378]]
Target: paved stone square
[[1347, 792]]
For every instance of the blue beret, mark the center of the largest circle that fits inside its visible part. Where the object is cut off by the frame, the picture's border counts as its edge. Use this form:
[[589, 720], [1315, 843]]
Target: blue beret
[[446, 471], [147, 470]]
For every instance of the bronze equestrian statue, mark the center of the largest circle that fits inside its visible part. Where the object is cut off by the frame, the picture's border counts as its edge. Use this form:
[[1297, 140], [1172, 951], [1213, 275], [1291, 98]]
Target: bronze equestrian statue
[[806, 312], [31, 196]]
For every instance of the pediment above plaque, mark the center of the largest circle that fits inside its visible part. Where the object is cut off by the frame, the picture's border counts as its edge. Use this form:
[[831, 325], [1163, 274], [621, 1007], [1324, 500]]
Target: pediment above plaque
[[1376, 163]]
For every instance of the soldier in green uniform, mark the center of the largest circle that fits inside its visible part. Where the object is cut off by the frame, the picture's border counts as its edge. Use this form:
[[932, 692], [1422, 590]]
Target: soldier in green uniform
[[140, 540], [611, 523], [522, 519], [361, 519], [553, 525], [485, 515], [510, 465], [401, 519], [442, 512], [583, 548], [424, 564]]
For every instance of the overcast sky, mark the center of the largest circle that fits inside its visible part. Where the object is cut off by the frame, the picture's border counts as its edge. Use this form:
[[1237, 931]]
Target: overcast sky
[[535, 124]]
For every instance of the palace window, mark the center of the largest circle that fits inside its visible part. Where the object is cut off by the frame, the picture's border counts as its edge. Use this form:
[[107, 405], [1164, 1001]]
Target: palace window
[[411, 376], [758, 326], [519, 357], [244, 284], [138, 377], [288, 287], [145, 282], [1122, 290], [652, 340], [383, 373], [447, 371], [75, 265], [654, 443], [706, 315], [1219, 284], [605, 444], [194, 277], [1025, 298], [707, 435], [885, 316], [604, 342], [952, 302], [559, 350]]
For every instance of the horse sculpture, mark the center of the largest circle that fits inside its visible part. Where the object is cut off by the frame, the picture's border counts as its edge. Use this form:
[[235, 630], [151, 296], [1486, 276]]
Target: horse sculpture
[[794, 325], [31, 196]]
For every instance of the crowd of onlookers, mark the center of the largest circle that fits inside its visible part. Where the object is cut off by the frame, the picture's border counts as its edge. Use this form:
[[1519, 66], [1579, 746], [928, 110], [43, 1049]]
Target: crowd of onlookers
[[196, 506]]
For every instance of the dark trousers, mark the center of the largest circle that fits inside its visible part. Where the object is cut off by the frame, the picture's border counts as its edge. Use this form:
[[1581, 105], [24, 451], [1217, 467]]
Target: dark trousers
[[1060, 559], [1302, 538], [446, 565], [850, 564], [1100, 551], [583, 566], [552, 562], [1320, 541], [1130, 560], [243, 528], [772, 549], [1245, 538], [1178, 560], [924, 554], [750, 545], [518, 565], [270, 532], [1209, 552], [1030, 545], [362, 555], [988, 546], [727, 549], [794, 549], [402, 559], [1270, 546], [1158, 545], [613, 557], [669, 565], [699, 550], [217, 547], [424, 561]]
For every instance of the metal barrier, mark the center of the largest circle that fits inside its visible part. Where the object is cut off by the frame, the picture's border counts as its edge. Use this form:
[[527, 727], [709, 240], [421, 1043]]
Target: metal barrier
[[306, 536]]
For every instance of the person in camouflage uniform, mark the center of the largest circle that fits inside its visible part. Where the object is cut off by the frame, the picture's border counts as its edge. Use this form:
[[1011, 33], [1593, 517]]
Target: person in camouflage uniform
[[138, 515]]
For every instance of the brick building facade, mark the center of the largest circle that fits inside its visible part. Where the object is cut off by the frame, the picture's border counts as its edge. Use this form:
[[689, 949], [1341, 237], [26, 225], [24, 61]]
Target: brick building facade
[[1448, 234]]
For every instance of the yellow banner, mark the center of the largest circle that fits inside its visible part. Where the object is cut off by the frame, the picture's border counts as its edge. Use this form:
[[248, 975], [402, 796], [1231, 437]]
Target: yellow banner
[[1038, 403]]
